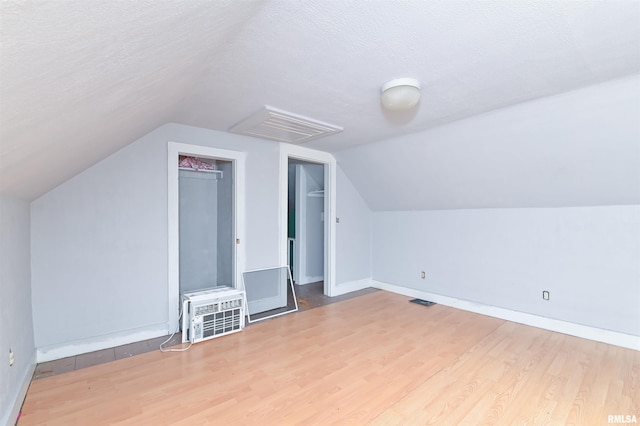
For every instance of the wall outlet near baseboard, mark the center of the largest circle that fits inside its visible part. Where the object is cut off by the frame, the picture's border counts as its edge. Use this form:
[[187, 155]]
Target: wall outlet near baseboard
[[423, 275], [11, 358], [545, 295]]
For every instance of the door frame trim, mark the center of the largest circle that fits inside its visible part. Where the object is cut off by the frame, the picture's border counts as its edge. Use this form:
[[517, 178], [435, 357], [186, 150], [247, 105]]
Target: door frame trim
[[288, 151], [174, 149]]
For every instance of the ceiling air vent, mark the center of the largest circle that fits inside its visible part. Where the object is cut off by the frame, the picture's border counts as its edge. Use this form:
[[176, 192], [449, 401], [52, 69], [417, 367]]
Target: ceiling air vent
[[272, 123]]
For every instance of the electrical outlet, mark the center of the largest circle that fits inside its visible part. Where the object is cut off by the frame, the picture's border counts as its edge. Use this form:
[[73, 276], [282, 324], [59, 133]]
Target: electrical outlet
[[423, 275], [11, 359], [545, 295]]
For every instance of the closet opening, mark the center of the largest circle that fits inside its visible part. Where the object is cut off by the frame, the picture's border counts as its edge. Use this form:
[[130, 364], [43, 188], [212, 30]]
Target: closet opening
[[206, 223], [205, 204]]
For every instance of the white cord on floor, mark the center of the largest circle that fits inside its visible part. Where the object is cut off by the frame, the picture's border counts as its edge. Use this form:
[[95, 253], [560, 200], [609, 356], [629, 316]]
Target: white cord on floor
[[173, 350], [171, 337]]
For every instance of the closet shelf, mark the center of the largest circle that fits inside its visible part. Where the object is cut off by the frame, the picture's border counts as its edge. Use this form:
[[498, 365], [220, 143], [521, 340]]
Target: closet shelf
[[318, 193], [200, 170], [215, 174]]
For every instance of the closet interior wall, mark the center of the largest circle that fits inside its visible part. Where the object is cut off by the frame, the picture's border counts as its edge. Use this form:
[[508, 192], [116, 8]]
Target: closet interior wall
[[206, 227]]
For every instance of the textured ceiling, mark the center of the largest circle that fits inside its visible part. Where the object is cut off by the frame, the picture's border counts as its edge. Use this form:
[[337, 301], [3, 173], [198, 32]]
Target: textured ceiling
[[79, 80], [578, 148]]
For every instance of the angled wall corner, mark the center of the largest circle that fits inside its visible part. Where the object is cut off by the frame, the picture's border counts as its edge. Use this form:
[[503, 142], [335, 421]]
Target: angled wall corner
[[16, 325]]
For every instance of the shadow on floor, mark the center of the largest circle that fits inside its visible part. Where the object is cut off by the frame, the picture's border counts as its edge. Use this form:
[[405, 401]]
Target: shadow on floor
[[309, 296]]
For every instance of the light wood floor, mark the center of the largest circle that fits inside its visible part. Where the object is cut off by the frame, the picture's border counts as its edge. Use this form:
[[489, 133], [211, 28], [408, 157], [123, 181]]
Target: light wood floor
[[376, 359]]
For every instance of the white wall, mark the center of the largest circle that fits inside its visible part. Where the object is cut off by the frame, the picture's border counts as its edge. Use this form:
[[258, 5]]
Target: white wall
[[309, 244], [198, 224], [99, 241], [16, 326], [99, 248], [587, 257], [314, 222], [578, 148], [225, 216], [496, 208], [353, 233]]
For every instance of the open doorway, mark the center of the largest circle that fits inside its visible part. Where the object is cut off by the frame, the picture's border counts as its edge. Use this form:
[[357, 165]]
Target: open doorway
[[305, 222], [290, 152]]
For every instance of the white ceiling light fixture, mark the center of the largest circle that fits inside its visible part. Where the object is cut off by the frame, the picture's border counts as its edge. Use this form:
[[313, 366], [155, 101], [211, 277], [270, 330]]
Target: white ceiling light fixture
[[400, 94]]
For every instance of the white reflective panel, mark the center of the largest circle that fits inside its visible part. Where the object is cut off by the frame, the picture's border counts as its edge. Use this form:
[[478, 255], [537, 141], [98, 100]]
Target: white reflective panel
[[269, 293]]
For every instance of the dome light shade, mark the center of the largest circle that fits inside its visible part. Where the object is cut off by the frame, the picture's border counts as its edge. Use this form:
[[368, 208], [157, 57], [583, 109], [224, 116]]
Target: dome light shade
[[400, 94]]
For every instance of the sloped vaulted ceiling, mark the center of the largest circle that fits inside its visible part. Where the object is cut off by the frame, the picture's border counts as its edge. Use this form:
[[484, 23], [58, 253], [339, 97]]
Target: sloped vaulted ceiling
[[79, 80]]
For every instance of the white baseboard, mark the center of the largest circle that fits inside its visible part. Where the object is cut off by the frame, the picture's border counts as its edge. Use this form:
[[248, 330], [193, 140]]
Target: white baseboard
[[309, 280], [53, 352], [565, 327], [12, 416], [350, 286]]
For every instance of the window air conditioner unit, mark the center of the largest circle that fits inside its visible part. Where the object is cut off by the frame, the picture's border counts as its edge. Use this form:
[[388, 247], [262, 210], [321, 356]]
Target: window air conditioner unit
[[212, 313]]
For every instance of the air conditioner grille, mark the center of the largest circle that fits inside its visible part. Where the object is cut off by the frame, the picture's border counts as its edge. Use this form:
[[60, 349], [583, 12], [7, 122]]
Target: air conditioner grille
[[220, 323], [211, 313], [282, 126]]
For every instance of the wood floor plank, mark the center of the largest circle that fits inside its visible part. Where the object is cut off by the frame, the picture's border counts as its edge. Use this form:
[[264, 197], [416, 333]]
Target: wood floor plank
[[375, 359]]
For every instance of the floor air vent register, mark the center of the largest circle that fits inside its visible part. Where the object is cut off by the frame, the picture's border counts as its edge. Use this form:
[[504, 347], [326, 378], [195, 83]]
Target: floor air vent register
[[212, 313]]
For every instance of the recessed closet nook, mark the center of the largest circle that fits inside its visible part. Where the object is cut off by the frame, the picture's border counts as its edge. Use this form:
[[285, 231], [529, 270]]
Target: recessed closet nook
[[205, 223]]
